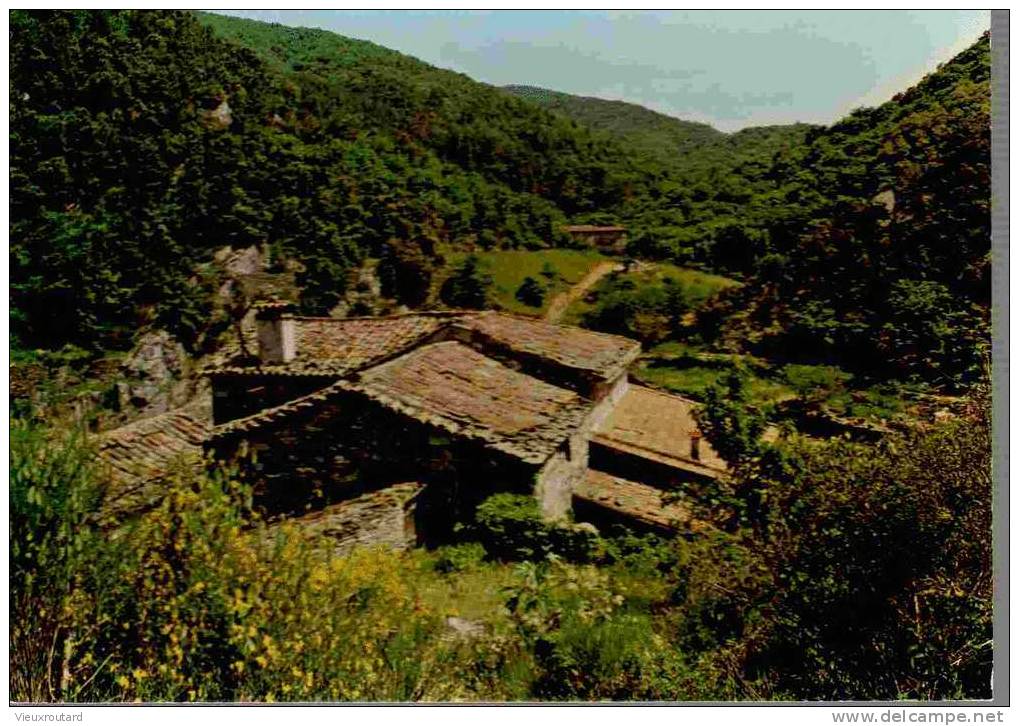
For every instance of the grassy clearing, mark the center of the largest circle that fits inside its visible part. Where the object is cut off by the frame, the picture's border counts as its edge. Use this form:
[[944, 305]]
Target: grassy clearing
[[694, 381], [509, 268], [697, 286], [683, 368]]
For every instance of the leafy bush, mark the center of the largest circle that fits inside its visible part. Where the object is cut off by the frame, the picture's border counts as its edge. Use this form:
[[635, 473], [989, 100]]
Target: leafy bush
[[511, 528], [459, 557], [873, 562], [648, 309], [586, 645], [53, 538]]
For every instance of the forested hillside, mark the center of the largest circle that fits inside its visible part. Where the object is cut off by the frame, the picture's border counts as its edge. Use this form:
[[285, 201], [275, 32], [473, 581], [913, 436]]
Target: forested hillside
[[879, 252], [143, 141], [712, 183], [866, 243]]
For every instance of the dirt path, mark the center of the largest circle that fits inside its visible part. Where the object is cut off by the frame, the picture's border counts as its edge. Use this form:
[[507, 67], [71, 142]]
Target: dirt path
[[563, 300]]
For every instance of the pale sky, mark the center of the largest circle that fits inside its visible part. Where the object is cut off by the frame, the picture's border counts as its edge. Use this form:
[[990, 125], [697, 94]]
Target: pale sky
[[731, 69]]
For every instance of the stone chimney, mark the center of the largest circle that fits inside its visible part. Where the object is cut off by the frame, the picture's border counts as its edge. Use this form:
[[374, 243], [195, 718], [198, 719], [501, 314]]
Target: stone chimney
[[274, 322], [695, 445]]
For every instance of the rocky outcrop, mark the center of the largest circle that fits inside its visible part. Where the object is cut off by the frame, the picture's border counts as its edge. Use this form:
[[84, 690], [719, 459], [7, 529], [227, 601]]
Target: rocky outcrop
[[218, 118], [154, 375]]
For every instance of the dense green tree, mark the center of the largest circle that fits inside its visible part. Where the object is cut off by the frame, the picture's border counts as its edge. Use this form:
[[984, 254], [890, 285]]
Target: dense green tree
[[468, 286], [531, 292]]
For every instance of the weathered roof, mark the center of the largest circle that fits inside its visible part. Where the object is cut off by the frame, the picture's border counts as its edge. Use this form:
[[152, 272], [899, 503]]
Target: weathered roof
[[274, 414], [632, 500], [340, 346], [337, 346], [657, 425], [456, 388], [593, 228], [146, 451], [599, 353], [355, 342]]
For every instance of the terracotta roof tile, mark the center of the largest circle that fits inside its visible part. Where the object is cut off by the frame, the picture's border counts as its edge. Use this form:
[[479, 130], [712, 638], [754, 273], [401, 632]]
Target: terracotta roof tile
[[357, 342], [641, 502], [658, 425], [339, 346], [451, 385], [600, 353], [146, 451]]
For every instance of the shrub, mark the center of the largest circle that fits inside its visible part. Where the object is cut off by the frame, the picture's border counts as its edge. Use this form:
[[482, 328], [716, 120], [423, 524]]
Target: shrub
[[511, 527], [586, 645], [468, 286], [531, 292], [53, 538], [873, 562], [459, 557]]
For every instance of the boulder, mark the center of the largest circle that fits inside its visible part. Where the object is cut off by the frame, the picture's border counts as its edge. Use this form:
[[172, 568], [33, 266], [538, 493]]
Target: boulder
[[153, 375]]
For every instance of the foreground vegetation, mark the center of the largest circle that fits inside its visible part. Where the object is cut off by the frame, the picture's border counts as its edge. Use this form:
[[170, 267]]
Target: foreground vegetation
[[833, 571]]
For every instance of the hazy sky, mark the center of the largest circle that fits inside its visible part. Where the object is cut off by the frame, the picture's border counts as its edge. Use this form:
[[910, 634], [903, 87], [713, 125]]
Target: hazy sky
[[731, 69]]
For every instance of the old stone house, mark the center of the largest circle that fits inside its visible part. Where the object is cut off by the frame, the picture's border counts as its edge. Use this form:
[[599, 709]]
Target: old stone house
[[391, 429], [611, 238]]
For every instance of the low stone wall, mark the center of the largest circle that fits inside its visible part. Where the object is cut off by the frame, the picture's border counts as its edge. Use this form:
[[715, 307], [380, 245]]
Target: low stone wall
[[382, 518]]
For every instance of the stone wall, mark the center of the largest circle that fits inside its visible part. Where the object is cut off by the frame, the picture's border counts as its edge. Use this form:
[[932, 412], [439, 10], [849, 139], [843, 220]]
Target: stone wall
[[381, 518], [348, 445], [554, 483]]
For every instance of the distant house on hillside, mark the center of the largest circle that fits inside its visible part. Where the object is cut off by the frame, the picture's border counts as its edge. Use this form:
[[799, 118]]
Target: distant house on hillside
[[390, 429], [609, 239]]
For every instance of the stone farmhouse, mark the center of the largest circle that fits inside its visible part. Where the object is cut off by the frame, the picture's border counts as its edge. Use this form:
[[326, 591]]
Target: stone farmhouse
[[610, 239], [392, 429]]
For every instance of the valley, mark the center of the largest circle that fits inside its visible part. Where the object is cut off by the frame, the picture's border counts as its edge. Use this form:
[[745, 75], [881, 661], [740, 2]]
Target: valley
[[336, 376]]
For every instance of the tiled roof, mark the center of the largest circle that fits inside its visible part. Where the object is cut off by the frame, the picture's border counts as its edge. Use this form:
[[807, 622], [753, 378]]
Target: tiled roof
[[657, 425], [453, 387], [359, 341], [456, 388], [600, 353], [633, 500], [275, 414], [337, 346], [146, 451]]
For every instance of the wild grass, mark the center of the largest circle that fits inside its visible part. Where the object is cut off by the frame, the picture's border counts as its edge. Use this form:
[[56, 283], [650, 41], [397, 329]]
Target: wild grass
[[509, 268]]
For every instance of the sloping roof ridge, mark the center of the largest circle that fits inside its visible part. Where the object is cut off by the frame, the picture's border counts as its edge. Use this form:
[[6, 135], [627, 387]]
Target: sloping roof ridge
[[153, 423], [275, 413], [542, 321], [395, 316], [665, 394], [444, 421]]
